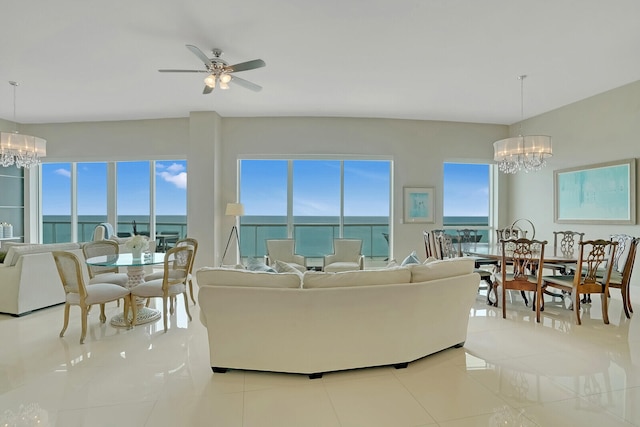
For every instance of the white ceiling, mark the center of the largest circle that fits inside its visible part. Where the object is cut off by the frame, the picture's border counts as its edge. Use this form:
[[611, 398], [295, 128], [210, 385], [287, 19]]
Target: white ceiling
[[455, 60]]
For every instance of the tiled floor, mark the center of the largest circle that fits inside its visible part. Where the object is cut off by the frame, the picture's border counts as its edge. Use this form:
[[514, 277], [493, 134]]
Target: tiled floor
[[510, 372]]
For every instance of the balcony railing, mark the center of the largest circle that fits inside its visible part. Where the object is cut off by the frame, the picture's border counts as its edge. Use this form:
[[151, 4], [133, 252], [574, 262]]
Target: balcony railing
[[315, 240]]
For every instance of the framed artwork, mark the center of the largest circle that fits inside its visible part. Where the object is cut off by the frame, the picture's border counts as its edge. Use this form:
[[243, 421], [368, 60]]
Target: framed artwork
[[603, 193], [419, 204]]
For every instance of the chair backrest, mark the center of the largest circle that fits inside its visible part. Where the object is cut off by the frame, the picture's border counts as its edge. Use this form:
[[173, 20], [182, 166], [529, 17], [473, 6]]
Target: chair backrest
[[622, 250], [565, 241], [445, 247], [510, 233], [189, 241], [526, 257], [631, 259], [595, 256], [102, 231], [177, 262], [281, 249], [70, 273], [433, 243], [98, 248], [467, 239], [347, 249]]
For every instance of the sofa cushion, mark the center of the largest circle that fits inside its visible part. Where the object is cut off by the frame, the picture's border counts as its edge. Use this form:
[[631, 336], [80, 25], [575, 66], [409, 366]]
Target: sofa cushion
[[389, 276], [440, 269], [16, 251], [233, 277]]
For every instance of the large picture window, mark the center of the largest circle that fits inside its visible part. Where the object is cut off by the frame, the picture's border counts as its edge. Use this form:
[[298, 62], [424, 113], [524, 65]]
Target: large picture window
[[466, 197], [313, 202], [158, 202]]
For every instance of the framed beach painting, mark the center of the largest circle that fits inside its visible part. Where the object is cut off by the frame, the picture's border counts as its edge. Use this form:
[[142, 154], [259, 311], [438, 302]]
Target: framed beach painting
[[419, 204], [603, 193]]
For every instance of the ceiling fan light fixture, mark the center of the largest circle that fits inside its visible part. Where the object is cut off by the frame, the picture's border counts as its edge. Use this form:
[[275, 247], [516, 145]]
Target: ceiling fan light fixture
[[210, 81], [225, 78], [223, 85]]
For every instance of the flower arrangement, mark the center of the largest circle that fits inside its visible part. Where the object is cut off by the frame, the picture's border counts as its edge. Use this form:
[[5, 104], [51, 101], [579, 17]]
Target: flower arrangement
[[137, 243]]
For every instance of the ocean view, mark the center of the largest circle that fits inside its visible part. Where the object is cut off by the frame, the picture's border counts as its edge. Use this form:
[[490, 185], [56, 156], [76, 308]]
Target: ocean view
[[313, 234]]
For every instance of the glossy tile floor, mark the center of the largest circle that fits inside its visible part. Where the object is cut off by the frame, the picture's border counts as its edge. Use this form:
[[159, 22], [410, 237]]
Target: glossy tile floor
[[510, 372]]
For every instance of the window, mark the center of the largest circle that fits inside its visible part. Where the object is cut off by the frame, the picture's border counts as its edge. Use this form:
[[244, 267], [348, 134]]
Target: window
[[315, 201], [131, 200], [467, 196], [91, 198], [56, 202], [171, 197], [133, 196]]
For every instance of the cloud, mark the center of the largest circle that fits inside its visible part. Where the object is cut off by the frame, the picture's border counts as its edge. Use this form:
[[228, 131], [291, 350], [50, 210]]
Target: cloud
[[63, 172], [175, 168], [179, 180]]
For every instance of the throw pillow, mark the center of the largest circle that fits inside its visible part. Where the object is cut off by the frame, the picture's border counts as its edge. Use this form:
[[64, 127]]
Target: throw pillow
[[411, 259], [283, 267], [255, 264]]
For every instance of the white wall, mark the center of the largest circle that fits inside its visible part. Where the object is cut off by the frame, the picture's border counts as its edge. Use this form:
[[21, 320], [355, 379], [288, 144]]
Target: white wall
[[602, 128]]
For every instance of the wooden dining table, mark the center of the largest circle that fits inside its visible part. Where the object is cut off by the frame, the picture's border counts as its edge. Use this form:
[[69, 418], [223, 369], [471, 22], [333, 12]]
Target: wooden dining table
[[551, 255]]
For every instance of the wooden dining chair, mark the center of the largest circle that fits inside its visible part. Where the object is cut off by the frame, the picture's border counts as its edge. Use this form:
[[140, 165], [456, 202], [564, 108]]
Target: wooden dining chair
[[622, 280], [525, 257], [592, 275]]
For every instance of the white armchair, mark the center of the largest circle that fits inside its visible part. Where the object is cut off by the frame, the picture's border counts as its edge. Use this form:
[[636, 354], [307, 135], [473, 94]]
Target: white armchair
[[283, 250], [103, 231], [347, 255]]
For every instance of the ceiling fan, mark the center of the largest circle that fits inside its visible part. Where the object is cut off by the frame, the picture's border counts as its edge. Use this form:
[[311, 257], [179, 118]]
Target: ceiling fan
[[220, 72]]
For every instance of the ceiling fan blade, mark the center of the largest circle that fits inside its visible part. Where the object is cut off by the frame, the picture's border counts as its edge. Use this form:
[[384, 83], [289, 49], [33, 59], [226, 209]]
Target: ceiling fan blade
[[246, 84], [207, 90], [183, 71], [197, 52], [244, 66]]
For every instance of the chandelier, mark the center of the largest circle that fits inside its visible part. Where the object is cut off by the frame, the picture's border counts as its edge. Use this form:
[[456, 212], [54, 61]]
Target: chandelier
[[19, 149], [527, 153]]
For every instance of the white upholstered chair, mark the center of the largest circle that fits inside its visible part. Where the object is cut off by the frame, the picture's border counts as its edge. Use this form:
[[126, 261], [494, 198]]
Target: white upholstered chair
[[187, 241], [177, 262], [77, 293], [103, 231], [98, 274], [347, 255], [284, 250]]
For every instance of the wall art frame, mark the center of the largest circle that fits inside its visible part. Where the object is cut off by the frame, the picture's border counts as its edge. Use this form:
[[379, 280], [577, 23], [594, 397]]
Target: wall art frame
[[602, 193], [419, 205]]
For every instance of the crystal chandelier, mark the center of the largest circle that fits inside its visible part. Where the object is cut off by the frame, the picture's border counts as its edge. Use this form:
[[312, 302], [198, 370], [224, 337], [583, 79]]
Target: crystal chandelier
[[527, 153], [19, 149]]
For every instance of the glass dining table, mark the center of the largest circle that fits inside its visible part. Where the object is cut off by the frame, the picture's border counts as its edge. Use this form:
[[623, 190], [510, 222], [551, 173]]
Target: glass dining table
[[135, 273]]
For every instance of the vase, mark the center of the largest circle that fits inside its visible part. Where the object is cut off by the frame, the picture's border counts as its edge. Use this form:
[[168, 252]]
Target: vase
[[137, 253]]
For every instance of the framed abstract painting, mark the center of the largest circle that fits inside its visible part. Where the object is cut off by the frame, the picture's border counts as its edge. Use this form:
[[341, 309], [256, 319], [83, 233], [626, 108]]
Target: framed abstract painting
[[603, 193], [419, 205]]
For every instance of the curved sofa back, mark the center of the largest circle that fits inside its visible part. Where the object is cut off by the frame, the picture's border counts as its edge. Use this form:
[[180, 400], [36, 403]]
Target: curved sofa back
[[327, 329]]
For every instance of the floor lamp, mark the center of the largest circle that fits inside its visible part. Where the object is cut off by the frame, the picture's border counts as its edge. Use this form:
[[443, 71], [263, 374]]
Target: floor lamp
[[235, 210]]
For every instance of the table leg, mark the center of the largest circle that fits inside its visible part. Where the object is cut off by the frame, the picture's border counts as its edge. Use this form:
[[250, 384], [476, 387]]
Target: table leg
[[144, 314]]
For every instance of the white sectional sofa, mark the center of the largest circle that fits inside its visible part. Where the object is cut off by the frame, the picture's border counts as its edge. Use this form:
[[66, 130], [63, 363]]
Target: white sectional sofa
[[321, 322], [29, 279]]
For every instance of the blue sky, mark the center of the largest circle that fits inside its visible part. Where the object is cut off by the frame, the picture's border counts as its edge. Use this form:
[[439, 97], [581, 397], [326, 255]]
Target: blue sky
[[316, 189], [466, 191], [132, 188]]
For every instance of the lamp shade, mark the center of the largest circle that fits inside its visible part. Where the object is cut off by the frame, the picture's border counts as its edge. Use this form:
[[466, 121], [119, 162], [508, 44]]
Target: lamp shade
[[234, 209]]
